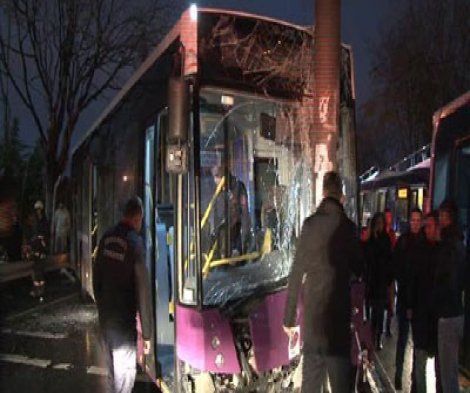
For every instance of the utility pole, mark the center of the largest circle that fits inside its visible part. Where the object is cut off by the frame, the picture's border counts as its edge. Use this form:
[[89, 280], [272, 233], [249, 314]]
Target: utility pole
[[326, 82]]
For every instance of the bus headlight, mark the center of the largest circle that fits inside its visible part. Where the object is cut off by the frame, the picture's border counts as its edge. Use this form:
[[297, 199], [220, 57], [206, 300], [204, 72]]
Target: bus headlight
[[219, 360], [215, 342]]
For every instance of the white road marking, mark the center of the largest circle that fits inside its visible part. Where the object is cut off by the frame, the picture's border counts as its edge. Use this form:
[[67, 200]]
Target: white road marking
[[11, 358], [104, 372], [97, 370], [55, 336], [62, 366], [42, 363]]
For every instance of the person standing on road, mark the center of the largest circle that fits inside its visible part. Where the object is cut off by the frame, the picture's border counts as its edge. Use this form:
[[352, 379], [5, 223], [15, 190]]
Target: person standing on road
[[122, 288], [62, 225], [448, 291], [38, 248], [423, 321], [405, 255], [378, 275], [388, 216], [389, 230], [328, 253]]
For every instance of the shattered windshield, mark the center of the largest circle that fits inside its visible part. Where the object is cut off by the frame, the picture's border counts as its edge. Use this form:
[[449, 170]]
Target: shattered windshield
[[255, 193]]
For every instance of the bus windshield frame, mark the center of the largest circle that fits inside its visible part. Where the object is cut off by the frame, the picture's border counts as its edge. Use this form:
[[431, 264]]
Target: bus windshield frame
[[255, 191]]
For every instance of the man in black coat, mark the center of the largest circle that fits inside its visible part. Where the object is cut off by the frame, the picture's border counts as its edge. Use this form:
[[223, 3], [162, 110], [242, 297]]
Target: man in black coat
[[420, 304], [122, 288], [406, 253], [328, 253], [378, 275], [448, 293]]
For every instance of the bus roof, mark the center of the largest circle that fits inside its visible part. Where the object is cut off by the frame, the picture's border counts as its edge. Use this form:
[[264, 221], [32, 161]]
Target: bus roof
[[180, 27], [308, 29], [416, 176], [450, 108]]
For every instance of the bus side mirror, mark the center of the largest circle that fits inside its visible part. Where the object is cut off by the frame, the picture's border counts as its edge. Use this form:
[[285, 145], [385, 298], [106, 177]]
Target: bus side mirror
[[178, 123]]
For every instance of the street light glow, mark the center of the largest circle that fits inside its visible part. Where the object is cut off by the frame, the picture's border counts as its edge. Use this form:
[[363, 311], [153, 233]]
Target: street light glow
[[193, 11]]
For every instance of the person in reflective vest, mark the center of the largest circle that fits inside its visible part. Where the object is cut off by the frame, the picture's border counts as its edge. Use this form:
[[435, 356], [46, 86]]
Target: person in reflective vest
[[37, 250]]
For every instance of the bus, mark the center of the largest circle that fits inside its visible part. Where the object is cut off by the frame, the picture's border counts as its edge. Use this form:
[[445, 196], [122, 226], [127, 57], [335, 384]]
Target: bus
[[209, 132], [450, 179], [400, 188]]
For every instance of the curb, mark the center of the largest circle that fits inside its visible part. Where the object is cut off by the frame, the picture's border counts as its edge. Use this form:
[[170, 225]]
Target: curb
[[383, 376]]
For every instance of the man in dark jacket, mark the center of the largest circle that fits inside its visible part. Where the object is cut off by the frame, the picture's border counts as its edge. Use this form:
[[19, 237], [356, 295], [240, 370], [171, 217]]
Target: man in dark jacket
[[121, 287], [378, 275], [327, 253], [391, 291], [406, 253], [447, 296], [423, 321]]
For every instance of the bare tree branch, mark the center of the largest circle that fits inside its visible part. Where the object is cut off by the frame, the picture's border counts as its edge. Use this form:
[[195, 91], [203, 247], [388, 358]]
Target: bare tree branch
[[20, 84], [421, 62], [67, 54]]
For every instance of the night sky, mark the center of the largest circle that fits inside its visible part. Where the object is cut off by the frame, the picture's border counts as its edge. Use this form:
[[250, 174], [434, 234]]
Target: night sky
[[361, 21]]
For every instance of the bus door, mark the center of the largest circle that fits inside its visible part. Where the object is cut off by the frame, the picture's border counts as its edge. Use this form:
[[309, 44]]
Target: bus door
[[381, 200], [462, 185], [88, 241], [461, 194], [402, 206], [159, 228]]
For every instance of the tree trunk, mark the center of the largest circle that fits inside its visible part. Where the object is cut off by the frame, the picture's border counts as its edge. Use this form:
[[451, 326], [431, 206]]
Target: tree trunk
[[50, 179]]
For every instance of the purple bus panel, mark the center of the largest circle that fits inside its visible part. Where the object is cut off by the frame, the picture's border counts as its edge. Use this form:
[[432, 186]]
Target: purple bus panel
[[270, 343], [204, 340]]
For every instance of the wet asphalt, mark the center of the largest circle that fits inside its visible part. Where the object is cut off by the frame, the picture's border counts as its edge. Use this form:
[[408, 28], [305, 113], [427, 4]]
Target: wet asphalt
[[55, 346], [52, 346], [386, 360]]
